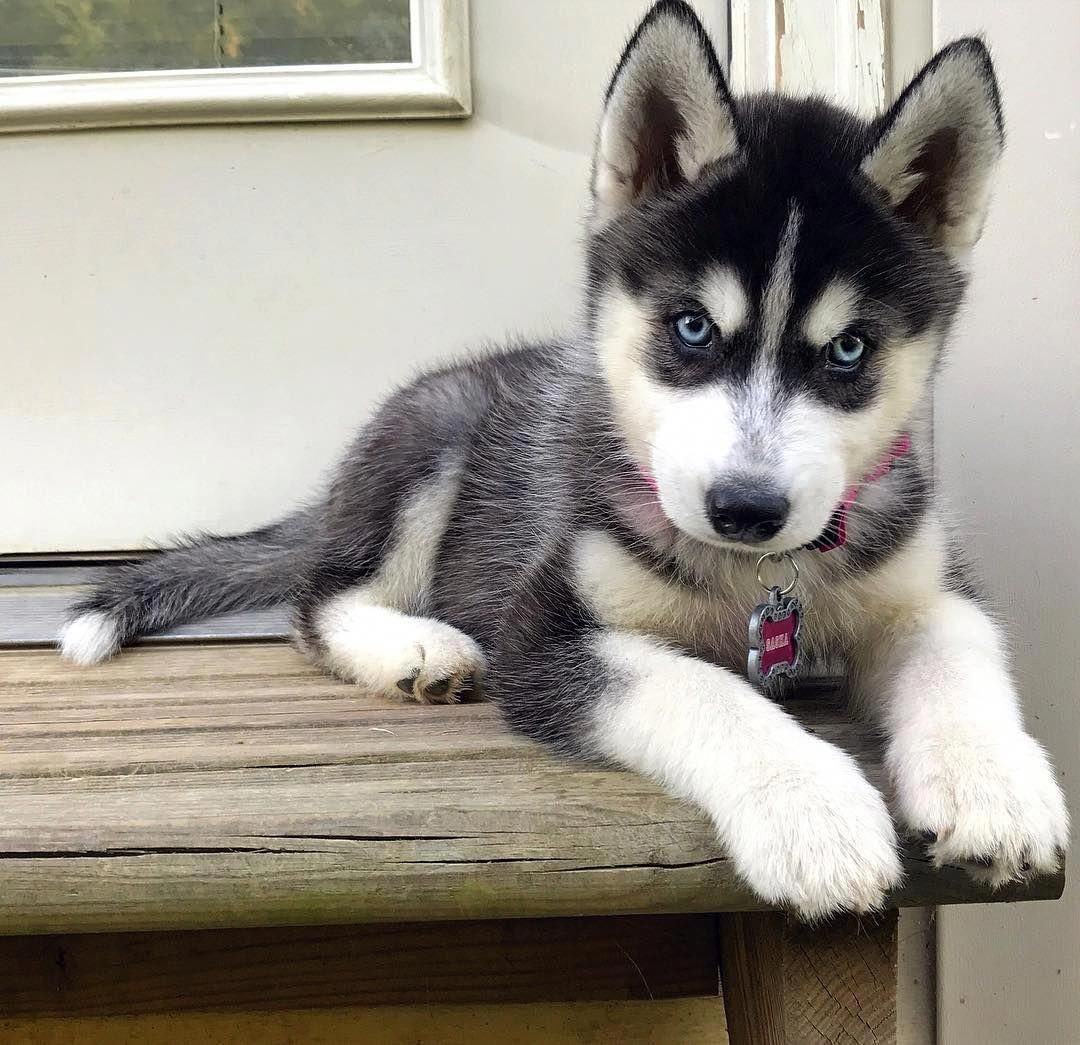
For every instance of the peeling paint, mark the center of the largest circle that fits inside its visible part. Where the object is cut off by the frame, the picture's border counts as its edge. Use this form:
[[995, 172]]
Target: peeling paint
[[781, 30], [835, 48]]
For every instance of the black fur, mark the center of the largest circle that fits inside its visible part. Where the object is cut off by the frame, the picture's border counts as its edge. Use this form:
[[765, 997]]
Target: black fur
[[805, 152]]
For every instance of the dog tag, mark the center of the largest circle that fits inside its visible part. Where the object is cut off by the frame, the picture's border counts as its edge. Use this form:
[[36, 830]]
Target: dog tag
[[774, 629], [774, 639]]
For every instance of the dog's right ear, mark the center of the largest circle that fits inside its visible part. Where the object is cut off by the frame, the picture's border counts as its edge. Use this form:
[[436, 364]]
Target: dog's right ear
[[667, 114]]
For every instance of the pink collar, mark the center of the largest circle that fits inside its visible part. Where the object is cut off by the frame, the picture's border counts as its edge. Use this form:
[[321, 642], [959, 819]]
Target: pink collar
[[835, 534]]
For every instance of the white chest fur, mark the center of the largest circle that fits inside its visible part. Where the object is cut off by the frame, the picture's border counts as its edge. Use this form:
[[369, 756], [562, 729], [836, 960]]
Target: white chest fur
[[625, 593], [711, 619]]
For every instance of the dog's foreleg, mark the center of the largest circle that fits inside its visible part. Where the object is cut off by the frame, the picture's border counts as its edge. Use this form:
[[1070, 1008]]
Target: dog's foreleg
[[964, 770], [803, 825]]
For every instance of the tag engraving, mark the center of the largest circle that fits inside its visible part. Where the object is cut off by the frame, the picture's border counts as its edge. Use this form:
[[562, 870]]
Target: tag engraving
[[774, 639]]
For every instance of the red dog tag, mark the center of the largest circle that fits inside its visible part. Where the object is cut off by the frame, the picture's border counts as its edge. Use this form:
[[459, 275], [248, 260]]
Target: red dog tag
[[774, 638]]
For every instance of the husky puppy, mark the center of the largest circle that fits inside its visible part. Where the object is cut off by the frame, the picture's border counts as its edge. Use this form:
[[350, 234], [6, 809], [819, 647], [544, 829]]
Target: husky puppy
[[577, 525]]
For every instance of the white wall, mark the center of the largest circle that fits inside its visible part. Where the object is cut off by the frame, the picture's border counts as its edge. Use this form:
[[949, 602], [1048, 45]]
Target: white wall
[[1007, 435], [196, 318]]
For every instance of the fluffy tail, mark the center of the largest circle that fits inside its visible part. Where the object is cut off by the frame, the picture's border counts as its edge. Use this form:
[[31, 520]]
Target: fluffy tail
[[196, 580]]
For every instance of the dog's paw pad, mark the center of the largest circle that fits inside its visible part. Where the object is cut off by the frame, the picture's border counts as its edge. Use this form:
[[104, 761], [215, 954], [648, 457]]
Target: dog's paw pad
[[445, 665], [388, 652]]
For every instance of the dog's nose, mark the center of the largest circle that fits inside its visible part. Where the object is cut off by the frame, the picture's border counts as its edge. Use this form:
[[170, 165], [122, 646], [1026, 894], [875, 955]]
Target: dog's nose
[[741, 512]]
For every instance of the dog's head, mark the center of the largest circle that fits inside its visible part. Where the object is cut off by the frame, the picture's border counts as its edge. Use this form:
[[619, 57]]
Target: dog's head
[[771, 279]]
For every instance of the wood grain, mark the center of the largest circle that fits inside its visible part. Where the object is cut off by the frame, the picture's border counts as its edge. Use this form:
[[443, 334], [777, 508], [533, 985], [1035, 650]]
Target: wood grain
[[840, 982], [234, 785], [751, 948], [785, 983], [553, 959], [694, 1021]]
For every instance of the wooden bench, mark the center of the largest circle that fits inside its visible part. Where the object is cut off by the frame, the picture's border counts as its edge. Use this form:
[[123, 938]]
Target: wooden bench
[[329, 848]]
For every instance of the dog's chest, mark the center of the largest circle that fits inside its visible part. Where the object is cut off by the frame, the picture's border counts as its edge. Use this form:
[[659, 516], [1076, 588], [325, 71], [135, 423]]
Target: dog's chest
[[625, 593]]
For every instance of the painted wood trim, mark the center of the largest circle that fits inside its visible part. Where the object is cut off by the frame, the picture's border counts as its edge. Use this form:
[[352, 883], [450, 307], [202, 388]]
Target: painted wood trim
[[435, 84], [832, 47], [35, 600]]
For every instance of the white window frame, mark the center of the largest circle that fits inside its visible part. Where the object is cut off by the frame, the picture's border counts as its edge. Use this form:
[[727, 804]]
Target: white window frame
[[434, 84]]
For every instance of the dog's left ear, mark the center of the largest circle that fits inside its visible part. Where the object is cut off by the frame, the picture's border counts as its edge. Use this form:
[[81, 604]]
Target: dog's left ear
[[667, 113], [935, 151]]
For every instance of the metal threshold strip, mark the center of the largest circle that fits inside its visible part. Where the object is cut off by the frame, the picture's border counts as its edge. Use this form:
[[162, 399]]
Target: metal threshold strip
[[35, 594]]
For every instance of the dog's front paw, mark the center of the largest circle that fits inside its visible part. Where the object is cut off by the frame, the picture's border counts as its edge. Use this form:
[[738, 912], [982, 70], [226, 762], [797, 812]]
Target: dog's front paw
[[440, 665], [815, 836], [391, 653], [988, 801]]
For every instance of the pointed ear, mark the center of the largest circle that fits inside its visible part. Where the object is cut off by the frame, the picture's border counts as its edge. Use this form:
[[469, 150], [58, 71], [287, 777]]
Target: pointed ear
[[667, 113], [934, 153]]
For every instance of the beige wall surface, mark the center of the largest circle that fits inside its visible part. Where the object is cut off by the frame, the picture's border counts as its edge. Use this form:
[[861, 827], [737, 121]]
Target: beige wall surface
[[1007, 435], [196, 318]]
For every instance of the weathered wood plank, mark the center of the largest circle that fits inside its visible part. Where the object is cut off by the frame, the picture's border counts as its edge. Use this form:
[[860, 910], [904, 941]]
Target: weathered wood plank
[[234, 785], [699, 1021], [553, 959]]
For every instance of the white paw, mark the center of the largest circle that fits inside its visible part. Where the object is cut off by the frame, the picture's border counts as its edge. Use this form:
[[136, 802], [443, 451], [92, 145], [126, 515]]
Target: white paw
[[987, 797], [89, 638], [393, 653], [440, 665], [815, 835]]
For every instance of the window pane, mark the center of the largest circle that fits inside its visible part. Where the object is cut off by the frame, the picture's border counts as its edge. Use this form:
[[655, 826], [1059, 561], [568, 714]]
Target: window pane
[[303, 32], [63, 36]]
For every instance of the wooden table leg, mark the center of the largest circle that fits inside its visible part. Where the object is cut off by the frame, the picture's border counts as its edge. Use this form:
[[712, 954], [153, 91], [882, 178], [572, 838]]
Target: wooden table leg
[[788, 984], [752, 977]]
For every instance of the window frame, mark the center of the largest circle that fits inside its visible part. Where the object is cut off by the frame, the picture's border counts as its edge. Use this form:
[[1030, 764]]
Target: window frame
[[434, 84]]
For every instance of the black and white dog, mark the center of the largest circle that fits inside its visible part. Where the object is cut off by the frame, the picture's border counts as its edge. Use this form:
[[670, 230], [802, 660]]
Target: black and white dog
[[579, 524]]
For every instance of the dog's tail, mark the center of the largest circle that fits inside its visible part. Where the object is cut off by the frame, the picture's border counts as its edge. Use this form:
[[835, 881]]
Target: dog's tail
[[199, 579]]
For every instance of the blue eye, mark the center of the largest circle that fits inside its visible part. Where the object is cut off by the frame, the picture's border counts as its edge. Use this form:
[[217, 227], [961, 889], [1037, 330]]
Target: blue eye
[[694, 330], [845, 353]]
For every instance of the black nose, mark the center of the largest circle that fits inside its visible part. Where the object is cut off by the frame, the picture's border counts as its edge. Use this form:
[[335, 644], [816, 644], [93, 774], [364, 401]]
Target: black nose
[[747, 513]]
